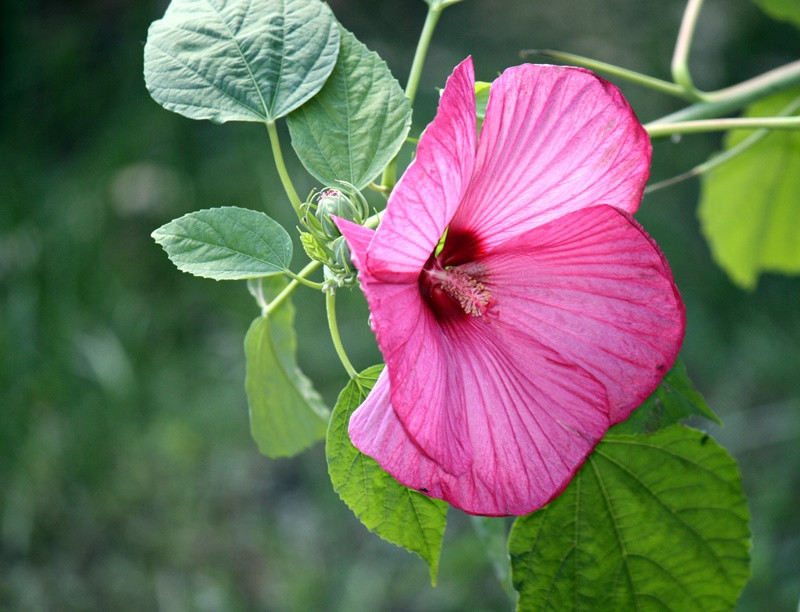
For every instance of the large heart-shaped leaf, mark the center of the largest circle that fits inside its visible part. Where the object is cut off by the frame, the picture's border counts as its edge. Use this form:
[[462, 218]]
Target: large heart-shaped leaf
[[651, 522], [226, 243], [356, 124], [396, 513], [239, 60], [749, 205], [286, 414]]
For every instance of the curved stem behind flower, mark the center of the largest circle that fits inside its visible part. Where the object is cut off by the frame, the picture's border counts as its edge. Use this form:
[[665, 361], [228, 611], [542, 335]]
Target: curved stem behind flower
[[658, 129], [284, 175], [680, 57], [623, 73], [731, 99], [725, 156]]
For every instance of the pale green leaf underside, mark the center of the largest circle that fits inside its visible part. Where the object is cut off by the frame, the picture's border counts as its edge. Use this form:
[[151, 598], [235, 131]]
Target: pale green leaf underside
[[749, 205], [286, 414], [226, 243], [239, 60], [396, 513], [356, 124], [674, 399], [787, 10], [656, 522]]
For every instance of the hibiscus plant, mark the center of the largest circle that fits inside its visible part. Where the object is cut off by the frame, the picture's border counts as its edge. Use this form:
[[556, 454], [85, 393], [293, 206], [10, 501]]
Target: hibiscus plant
[[529, 325]]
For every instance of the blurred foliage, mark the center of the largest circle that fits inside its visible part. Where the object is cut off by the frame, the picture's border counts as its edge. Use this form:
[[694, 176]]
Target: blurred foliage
[[128, 478]]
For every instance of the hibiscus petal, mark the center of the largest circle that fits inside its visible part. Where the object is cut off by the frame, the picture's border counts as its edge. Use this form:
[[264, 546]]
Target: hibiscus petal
[[555, 139], [425, 388], [426, 197], [534, 418], [595, 287]]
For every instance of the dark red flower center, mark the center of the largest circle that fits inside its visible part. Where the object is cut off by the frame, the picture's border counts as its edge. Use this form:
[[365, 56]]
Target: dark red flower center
[[453, 282]]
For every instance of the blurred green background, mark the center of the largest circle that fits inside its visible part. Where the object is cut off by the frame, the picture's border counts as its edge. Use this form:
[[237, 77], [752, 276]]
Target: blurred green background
[[128, 479]]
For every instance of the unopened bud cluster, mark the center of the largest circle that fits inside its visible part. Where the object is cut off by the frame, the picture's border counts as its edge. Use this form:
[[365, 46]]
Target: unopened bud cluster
[[322, 240]]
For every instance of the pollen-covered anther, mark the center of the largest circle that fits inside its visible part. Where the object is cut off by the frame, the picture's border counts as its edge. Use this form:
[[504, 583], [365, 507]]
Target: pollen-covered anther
[[469, 292]]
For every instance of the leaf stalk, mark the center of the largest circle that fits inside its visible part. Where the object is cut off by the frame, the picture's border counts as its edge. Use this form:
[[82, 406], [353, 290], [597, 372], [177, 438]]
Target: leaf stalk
[[277, 155], [289, 289]]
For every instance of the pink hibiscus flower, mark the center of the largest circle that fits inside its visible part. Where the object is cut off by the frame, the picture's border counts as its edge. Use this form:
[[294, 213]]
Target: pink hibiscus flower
[[547, 315]]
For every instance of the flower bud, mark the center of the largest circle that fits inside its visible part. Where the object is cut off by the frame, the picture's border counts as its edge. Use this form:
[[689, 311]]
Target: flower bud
[[341, 254], [346, 203], [322, 240]]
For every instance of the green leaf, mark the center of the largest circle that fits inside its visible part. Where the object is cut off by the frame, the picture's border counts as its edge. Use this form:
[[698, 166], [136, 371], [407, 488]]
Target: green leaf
[[674, 399], [748, 207], [786, 10], [227, 243], [286, 413], [356, 124], [239, 60], [396, 513], [654, 522]]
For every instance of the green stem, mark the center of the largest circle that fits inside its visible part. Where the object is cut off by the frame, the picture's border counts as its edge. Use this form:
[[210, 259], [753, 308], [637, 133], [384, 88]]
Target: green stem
[[278, 157], [289, 289], [731, 99], [431, 19], [434, 12], [680, 57], [658, 129], [623, 73], [723, 157], [300, 277], [304, 281], [330, 308]]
